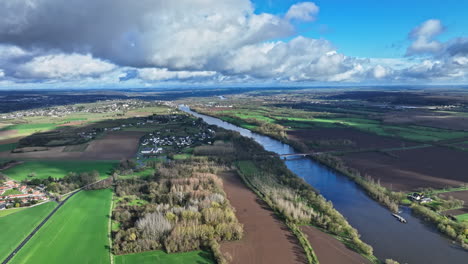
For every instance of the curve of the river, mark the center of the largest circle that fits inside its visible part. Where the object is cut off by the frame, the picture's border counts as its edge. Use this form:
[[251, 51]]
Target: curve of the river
[[415, 242]]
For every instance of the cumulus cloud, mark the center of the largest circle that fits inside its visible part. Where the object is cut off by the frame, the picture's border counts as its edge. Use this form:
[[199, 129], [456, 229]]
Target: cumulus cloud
[[304, 11], [183, 34], [423, 38], [380, 72], [196, 41], [156, 74], [63, 66]]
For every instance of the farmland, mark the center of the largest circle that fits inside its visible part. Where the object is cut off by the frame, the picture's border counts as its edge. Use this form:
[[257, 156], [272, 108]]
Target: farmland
[[150, 257], [111, 146], [388, 142], [77, 233], [16, 226], [57, 169]]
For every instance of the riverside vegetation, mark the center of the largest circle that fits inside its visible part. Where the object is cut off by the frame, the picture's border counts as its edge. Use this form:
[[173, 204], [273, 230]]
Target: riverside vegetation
[[270, 121], [295, 201]]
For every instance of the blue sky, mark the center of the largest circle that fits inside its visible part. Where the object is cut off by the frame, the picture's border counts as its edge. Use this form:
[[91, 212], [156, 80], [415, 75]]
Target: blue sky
[[158, 43], [373, 28]]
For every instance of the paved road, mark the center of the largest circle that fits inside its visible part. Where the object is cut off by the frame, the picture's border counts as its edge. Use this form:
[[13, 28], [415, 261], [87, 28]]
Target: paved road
[[37, 229]]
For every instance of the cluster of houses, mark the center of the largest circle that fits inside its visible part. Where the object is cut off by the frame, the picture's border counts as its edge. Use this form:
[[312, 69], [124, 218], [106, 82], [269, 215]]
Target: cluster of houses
[[154, 143], [108, 106], [419, 197], [22, 194]]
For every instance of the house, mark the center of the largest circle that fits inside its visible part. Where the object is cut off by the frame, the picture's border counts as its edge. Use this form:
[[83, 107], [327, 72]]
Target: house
[[426, 200], [416, 196]]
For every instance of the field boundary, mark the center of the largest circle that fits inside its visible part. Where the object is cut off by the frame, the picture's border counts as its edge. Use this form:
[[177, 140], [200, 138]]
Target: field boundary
[[109, 228]]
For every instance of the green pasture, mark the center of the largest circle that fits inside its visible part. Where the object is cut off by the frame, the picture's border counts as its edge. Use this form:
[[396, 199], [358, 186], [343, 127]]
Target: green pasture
[[192, 257], [77, 233], [58, 169], [462, 217], [147, 172], [182, 156], [11, 211], [297, 119], [16, 226], [11, 192], [25, 129]]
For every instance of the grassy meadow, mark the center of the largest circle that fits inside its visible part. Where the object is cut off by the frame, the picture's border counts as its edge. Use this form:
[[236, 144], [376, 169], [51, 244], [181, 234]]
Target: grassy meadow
[[11, 211], [77, 233], [58, 169], [192, 257], [18, 223], [462, 218]]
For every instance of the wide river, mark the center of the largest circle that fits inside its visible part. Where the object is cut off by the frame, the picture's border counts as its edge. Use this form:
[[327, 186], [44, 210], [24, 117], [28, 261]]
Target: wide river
[[414, 242]]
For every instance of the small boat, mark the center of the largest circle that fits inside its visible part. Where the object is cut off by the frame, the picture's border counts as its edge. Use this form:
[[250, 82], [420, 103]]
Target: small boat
[[400, 218]]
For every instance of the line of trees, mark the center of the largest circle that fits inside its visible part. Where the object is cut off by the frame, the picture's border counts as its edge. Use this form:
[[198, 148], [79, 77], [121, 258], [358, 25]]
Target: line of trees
[[286, 193]]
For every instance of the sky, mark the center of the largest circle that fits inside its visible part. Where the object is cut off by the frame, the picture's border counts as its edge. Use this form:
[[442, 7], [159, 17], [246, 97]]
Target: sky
[[158, 43]]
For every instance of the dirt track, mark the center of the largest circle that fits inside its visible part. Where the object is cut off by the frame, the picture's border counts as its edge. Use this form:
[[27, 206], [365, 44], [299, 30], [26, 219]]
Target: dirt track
[[266, 239], [113, 146], [329, 250], [407, 170]]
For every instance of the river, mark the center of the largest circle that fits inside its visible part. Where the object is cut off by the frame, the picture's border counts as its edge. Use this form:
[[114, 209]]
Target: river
[[415, 242]]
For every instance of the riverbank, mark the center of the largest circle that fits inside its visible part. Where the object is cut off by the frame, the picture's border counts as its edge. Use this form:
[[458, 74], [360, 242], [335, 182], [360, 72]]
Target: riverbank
[[390, 238], [389, 199]]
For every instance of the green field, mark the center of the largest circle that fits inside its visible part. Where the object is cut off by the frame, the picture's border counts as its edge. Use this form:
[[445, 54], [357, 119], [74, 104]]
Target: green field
[[462, 217], [298, 119], [77, 233], [25, 129], [58, 169], [147, 172], [11, 211], [182, 156], [16, 226], [11, 192], [193, 257], [8, 147]]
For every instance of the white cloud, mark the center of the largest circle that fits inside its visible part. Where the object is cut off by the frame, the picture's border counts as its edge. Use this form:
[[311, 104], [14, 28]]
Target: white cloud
[[196, 41], [380, 72], [156, 74], [63, 66], [423, 38], [304, 11]]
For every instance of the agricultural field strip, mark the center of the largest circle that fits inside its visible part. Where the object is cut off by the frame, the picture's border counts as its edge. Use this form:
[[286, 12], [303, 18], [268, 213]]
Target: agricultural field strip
[[73, 219], [412, 132], [21, 245]]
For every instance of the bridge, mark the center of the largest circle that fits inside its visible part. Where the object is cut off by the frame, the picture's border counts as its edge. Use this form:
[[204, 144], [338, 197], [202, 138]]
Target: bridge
[[298, 154]]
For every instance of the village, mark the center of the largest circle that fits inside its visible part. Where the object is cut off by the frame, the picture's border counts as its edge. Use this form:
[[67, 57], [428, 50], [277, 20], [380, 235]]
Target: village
[[171, 140], [13, 194], [108, 106]]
